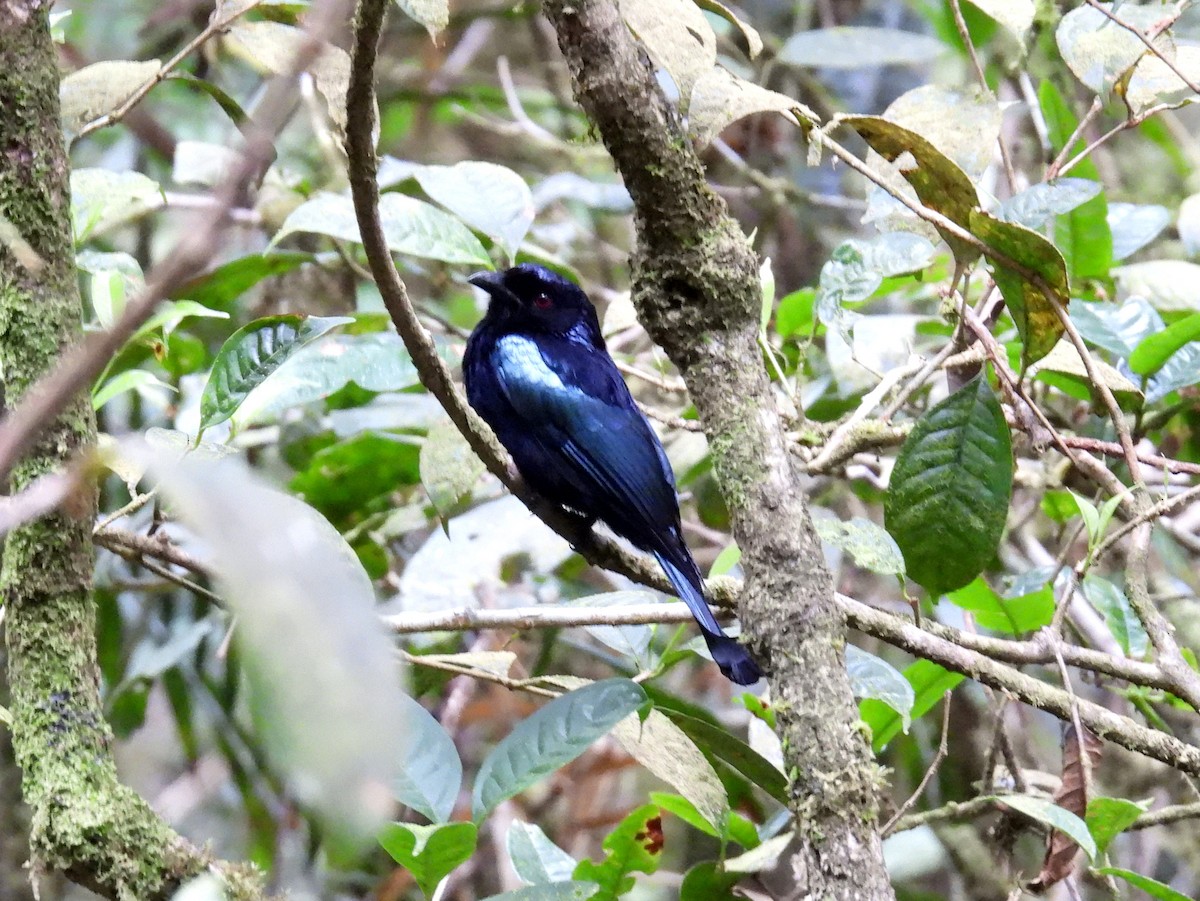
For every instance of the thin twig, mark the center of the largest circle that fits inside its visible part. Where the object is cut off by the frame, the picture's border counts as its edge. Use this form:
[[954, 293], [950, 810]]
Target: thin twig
[[942, 751]]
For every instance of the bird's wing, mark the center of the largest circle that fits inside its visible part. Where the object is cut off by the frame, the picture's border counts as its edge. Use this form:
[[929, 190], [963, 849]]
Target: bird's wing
[[573, 401]]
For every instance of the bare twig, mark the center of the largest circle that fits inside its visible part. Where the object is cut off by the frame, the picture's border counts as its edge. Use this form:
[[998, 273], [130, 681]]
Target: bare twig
[[942, 751]]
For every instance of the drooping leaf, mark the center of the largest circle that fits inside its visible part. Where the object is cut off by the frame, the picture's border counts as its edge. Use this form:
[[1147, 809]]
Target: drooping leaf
[[430, 853], [720, 98], [1048, 812], [99, 89], [873, 677], [551, 738], [223, 285], [1081, 755], [754, 42], [677, 37], [1151, 887], [1010, 615], [434, 15], [929, 683], [1068, 368], [1031, 304], [130, 380], [1109, 817], [449, 468], [430, 773], [718, 744], [536, 859], [632, 640], [1154, 81], [1154, 350], [635, 846], [1118, 615], [962, 123], [857, 47], [490, 198], [1134, 225], [251, 354], [948, 498]]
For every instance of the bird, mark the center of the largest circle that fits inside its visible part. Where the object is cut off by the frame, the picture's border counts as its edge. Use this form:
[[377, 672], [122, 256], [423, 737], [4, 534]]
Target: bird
[[537, 370]]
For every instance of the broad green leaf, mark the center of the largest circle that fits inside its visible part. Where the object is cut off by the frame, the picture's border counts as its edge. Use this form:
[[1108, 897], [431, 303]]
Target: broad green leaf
[[323, 680], [708, 881], [430, 853], [434, 15], [949, 492], [963, 124], [1118, 614], [430, 770], [1096, 49], [410, 227], [1046, 811], [873, 677], [170, 314], [719, 744], [130, 380], [665, 750], [867, 542], [1153, 81], [551, 738], [490, 198], [677, 37], [1117, 328], [1109, 817], [573, 890], [358, 474], [1151, 887], [635, 846], [929, 683], [536, 859], [679, 806], [250, 355], [1170, 285], [1134, 225], [98, 89], [1031, 308], [854, 47], [1011, 615], [1084, 239], [725, 561], [107, 293], [1153, 352], [1040, 203], [222, 286], [101, 200], [1015, 15], [95, 262], [449, 468], [720, 98], [940, 184]]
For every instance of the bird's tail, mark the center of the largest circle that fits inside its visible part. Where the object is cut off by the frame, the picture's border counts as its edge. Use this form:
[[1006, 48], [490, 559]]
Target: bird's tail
[[733, 659]]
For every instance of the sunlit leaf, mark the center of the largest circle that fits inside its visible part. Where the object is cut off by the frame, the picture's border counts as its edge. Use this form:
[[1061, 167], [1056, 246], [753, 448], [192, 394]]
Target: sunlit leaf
[[490, 198], [1109, 817], [929, 683], [719, 744], [1098, 50], [873, 677], [433, 14], [130, 380], [867, 542], [1154, 81], [677, 37], [449, 468], [720, 98], [1134, 225], [101, 200], [1038, 204], [1154, 350], [858, 47], [1015, 15], [1170, 285]]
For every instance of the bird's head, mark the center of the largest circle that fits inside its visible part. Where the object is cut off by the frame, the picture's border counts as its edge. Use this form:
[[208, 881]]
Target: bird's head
[[531, 298]]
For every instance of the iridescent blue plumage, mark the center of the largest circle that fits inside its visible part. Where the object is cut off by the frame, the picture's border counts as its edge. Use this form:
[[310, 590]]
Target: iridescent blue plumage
[[537, 370]]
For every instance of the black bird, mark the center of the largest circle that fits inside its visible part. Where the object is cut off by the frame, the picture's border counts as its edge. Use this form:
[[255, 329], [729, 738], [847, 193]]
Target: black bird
[[537, 370]]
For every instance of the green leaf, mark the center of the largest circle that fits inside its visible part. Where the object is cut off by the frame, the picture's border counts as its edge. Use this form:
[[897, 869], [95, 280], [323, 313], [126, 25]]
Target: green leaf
[[867, 542], [1153, 352], [929, 682], [449, 468], [1084, 239], [681, 807], [536, 859], [853, 47], [1012, 615], [222, 286], [633, 640], [1038, 204], [856, 268], [98, 89], [173, 313], [949, 492], [429, 852], [1118, 615], [1151, 887], [102, 199], [129, 380], [1046, 811], [707, 881], [358, 475], [939, 182], [411, 227], [1015, 15], [250, 355], [873, 677], [1031, 308], [557, 891], [430, 769], [1109, 817], [730, 556], [552, 738], [1170, 285], [1134, 225], [490, 198], [434, 15], [719, 744], [634, 846]]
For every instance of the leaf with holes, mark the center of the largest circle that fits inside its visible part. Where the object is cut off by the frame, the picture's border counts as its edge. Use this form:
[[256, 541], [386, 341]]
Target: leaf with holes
[[635, 846], [429, 852], [552, 738], [250, 355], [949, 492], [1031, 294], [720, 98], [677, 37]]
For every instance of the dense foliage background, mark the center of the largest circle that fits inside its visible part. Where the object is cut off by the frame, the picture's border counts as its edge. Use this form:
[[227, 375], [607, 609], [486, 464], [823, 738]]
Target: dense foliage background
[[982, 318]]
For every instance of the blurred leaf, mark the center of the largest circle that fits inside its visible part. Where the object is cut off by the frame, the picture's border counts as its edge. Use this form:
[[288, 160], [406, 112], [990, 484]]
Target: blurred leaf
[[201, 163], [856, 268], [632, 641], [1010, 615], [1065, 360], [98, 89], [948, 498], [1109, 817], [551, 738], [107, 293], [430, 770], [344, 479], [1134, 225], [170, 314], [718, 743], [1118, 614], [1098, 50], [634, 846], [101, 200], [677, 38], [754, 43], [1080, 756], [1188, 224], [873, 677], [1084, 239], [251, 354], [1151, 887], [323, 681], [725, 561], [490, 198], [130, 380], [536, 859], [223, 285], [1117, 328], [1046, 811], [410, 227], [449, 468], [1169, 285], [1154, 350], [853, 47], [228, 105], [429, 852], [869, 543], [707, 881], [557, 891], [1038, 204], [720, 98], [681, 807], [1153, 81], [433, 14], [1015, 15], [666, 751], [929, 682], [963, 124]]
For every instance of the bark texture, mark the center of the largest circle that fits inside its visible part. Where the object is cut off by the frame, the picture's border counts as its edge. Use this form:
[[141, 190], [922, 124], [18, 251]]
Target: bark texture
[[83, 821], [696, 289]]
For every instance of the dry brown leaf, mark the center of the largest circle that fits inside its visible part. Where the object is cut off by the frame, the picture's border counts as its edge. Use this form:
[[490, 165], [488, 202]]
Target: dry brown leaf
[[1072, 795]]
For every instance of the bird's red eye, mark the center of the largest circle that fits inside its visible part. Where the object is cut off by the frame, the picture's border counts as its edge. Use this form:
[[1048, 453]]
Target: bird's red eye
[[543, 302]]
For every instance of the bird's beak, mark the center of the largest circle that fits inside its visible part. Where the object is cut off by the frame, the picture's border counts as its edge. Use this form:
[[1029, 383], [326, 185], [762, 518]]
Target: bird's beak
[[493, 284]]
